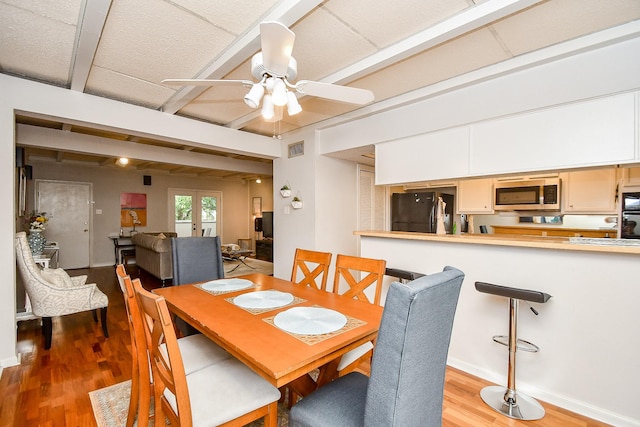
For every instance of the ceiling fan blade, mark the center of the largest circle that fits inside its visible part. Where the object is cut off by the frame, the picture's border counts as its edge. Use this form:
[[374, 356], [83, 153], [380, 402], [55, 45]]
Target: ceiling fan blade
[[206, 82], [277, 45], [352, 95]]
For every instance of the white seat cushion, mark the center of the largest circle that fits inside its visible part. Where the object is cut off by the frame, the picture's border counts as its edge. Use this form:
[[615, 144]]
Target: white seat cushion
[[198, 352], [225, 391], [353, 355]]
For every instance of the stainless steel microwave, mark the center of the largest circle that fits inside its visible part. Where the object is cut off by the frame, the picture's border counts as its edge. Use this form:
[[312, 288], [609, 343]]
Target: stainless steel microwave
[[529, 195]]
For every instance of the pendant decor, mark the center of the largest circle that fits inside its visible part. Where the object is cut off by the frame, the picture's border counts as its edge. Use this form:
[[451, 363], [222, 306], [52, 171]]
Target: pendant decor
[[36, 242]]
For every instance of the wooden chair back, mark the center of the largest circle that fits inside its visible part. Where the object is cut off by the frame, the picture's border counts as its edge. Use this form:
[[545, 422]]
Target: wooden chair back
[[370, 272], [304, 261], [141, 382], [166, 360]]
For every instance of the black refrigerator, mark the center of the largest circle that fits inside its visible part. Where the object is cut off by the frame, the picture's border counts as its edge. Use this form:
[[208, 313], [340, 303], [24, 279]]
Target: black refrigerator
[[417, 211]]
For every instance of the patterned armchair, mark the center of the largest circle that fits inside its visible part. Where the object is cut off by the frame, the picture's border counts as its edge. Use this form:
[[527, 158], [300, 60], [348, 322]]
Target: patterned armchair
[[54, 293]]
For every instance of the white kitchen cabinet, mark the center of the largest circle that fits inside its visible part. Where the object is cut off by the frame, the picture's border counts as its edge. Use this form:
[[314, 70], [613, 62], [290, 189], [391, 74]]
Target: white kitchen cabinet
[[596, 132], [475, 196], [589, 192]]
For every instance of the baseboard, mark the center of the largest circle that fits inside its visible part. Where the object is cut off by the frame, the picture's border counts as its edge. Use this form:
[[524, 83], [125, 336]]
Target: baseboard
[[9, 361], [579, 407]]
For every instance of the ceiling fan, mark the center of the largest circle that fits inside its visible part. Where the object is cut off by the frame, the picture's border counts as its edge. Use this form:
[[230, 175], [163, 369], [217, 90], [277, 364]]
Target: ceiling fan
[[275, 69]]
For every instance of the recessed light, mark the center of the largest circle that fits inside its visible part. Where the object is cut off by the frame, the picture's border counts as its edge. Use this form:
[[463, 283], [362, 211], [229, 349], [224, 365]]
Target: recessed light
[[123, 161]]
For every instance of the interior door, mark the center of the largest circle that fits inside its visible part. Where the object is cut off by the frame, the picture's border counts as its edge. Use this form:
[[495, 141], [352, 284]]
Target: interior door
[[195, 212], [68, 205]]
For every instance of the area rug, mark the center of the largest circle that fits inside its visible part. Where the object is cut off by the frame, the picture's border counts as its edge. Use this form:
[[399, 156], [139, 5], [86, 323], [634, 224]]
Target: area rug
[[250, 266], [111, 404]]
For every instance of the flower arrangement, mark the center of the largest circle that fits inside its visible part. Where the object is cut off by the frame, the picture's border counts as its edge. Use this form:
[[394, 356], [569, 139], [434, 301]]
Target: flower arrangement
[[37, 221], [134, 218]]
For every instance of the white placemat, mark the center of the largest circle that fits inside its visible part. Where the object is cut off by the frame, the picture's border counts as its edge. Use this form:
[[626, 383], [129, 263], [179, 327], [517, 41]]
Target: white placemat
[[263, 299], [310, 320], [227, 285]]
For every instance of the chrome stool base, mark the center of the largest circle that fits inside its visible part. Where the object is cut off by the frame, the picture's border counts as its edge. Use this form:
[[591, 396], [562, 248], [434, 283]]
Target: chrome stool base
[[524, 408]]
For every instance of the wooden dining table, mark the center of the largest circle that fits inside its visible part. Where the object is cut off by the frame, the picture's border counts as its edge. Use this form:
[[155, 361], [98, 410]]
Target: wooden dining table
[[281, 357]]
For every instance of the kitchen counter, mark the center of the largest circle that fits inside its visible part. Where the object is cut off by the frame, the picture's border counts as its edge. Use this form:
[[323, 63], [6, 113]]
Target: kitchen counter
[[549, 242], [588, 326]]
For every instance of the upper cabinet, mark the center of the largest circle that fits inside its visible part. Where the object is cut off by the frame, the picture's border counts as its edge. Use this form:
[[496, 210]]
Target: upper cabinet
[[631, 177], [475, 196], [589, 192], [597, 132]]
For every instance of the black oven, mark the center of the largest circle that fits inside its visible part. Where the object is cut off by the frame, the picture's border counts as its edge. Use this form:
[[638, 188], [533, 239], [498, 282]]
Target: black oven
[[630, 228]]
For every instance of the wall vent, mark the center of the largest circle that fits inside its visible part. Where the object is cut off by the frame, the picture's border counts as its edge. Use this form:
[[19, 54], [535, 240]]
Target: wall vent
[[296, 149]]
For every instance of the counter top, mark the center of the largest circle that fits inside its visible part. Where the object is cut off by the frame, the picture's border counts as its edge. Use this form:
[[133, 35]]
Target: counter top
[[558, 243]]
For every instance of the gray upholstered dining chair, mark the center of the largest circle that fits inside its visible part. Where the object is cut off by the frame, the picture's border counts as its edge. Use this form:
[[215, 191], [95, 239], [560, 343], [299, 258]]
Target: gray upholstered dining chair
[[195, 259], [53, 293], [406, 386]]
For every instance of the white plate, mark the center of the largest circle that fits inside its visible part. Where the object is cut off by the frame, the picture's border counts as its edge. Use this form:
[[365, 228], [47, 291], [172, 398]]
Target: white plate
[[263, 299], [226, 285], [310, 320]]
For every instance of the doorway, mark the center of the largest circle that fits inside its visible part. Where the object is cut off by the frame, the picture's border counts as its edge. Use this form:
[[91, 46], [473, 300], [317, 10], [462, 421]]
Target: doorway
[[195, 212], [68, 206]]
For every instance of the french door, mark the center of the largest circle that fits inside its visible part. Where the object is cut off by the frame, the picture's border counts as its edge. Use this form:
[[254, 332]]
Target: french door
[[195, 212]]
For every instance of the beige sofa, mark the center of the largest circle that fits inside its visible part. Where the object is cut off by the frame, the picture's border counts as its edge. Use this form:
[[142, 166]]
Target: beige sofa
[[153, 253]]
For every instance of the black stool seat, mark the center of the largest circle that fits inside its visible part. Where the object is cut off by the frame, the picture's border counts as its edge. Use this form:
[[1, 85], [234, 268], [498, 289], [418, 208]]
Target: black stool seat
[[517, 293], [507, 400], [403, 275]]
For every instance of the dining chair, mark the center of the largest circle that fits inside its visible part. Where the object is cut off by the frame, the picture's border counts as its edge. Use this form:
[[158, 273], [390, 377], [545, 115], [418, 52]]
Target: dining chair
[[226, 393], [197, 352], [406, 385], [52, 292], [360, 275], [311, 265], [195, 259]]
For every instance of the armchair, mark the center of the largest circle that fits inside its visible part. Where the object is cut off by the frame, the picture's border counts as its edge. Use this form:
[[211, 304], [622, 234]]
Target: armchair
[[53, 293]]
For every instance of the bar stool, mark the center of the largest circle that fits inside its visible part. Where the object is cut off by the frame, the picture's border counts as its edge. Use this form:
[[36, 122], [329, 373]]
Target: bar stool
[[507, 400], [404, 276]]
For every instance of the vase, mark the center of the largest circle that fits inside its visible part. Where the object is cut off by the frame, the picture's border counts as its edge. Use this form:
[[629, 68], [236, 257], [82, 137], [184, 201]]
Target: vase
[[36, 242]]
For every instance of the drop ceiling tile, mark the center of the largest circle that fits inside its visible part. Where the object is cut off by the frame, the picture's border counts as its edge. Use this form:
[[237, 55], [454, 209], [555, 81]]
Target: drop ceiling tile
[[235, 19], [461, 55], [64, 11], [35, 46], [324, 45], [266, 128], [216, 107], [556, 21], [177, 43], [109, 84], [385, 22]]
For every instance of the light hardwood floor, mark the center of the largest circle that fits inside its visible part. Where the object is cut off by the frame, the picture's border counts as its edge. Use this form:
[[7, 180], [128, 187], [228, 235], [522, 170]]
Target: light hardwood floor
[[50, 388]]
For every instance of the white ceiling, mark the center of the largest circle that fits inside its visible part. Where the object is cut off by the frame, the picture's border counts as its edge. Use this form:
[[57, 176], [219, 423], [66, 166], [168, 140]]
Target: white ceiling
[[122, 49]]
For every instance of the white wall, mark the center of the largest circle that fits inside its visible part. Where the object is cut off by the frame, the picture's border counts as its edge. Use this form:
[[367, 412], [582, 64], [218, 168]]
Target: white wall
[[297, 228], [587, 332], [7, 235]]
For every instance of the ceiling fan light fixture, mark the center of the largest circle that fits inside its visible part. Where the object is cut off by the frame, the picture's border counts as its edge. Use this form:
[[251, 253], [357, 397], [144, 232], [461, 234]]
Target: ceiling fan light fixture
[[267, 107], [293, 106], [255, 94], [279, 93]]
